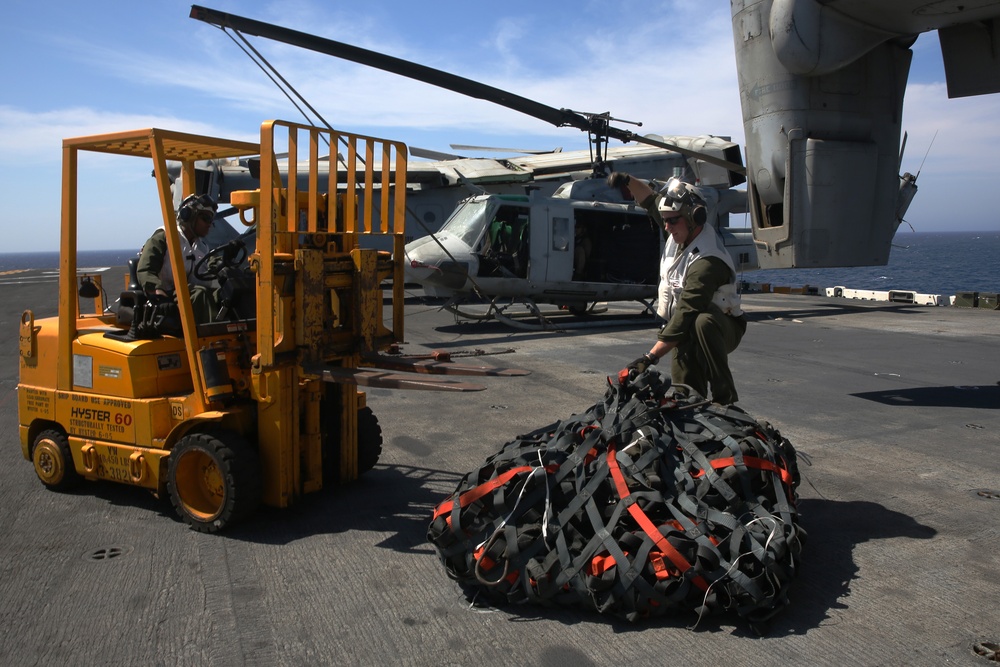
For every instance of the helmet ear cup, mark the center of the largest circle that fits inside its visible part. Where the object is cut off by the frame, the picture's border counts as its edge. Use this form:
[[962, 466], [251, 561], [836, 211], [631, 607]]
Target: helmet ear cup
[[186, 211], [192, 205], [696, 214]]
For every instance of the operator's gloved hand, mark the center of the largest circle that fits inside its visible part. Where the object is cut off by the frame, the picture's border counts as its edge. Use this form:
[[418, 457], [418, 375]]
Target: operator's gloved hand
[[154, 299], [635, 368], [618, 179]]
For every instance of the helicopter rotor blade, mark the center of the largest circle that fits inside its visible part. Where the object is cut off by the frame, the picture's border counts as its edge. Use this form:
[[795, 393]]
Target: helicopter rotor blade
[[686, 152], [428, 154], [593, 123], [490, 149], [435, 77]]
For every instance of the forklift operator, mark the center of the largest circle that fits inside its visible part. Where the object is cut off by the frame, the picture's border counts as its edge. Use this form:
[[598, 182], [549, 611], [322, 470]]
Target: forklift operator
[[194, 220]]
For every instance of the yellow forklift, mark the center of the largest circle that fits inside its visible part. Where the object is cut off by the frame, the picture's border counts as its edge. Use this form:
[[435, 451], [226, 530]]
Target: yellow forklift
[[263, 405]]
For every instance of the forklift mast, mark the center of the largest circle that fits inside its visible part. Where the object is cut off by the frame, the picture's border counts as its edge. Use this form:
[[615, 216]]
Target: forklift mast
[[319, 291]]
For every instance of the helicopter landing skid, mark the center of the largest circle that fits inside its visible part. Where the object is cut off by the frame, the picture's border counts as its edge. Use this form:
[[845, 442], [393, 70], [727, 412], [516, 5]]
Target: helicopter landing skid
[[499, 313], [536, 320]]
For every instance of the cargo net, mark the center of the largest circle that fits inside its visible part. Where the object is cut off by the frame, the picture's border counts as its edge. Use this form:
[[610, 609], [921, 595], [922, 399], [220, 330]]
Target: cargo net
[[653, 501]]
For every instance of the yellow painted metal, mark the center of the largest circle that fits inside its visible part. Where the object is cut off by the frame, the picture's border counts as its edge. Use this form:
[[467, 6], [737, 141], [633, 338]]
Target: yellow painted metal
[[175, 256], [114, 462], [28, 338], [352, 402], [277, 434], [311, 393], [322, 290], [136, 369], [67, 271], [368, 298], [124, 404], [157, 145], [310, 310]]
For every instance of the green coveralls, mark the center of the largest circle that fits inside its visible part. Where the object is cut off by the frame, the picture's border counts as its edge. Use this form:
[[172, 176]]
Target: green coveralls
[[151, 261], [705, 336]]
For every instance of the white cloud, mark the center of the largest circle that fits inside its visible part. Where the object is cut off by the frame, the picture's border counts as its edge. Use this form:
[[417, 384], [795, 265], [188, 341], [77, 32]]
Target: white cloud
[[669, 65], [36, 138]]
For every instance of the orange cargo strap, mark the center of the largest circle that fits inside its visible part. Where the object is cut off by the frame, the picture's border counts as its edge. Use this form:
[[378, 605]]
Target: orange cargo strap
[[647, 526], [751, 462], [472, 495]]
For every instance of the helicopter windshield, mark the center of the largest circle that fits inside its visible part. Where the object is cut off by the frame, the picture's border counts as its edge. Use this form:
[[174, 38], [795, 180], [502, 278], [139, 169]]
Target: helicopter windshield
[[468, 221]]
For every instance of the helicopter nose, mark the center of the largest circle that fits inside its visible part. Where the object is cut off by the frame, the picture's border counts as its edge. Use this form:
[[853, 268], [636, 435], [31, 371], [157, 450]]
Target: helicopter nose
[[446, 274], [420, 264], [429, 265]]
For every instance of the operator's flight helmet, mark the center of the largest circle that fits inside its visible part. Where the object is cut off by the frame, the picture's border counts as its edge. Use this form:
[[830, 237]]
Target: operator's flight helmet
[[680, 197], [194, 207]]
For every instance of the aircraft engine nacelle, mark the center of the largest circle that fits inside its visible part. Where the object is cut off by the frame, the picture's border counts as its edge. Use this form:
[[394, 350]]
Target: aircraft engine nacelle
[[822, 102]]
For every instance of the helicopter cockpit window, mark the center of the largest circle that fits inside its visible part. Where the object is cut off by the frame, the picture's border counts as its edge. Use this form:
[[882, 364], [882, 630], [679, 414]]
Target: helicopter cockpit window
[[468, 221], [503, 250]]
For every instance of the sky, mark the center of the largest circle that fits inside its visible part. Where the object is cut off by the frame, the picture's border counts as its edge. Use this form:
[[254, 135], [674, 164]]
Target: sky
[[79, 68]]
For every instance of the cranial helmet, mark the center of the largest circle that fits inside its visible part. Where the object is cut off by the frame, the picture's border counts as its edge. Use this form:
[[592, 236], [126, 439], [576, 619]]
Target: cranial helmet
[[680, 197], [195, 205]]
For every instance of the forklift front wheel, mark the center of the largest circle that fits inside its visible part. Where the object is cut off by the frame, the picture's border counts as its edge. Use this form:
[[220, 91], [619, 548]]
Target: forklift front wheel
[[213, 480], [53, 461]]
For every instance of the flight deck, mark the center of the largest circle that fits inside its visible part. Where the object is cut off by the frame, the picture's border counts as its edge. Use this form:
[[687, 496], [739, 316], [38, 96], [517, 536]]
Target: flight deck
[[894, 409]]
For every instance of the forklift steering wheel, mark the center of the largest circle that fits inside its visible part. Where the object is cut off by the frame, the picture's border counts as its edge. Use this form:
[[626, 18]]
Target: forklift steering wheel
[[231, 254]]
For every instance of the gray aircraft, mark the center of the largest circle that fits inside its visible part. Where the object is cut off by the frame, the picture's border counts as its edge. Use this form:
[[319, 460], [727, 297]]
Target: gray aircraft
[[821, 87], [436, 187], [583, 245], [541, 228]]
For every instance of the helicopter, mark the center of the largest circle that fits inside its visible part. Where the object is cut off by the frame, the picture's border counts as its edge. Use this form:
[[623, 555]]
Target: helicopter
[[436, 185], [584, 245], [550, 223]]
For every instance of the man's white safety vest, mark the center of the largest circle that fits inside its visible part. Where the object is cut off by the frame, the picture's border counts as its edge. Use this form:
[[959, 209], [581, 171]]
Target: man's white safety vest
[[192, 252], [674, 267]]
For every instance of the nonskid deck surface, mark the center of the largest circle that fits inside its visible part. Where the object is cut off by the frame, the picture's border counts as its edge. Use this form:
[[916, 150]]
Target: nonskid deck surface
[[896, 407]]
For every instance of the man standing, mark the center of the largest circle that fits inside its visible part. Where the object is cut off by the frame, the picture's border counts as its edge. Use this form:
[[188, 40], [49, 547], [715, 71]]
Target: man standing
[[697, 293]]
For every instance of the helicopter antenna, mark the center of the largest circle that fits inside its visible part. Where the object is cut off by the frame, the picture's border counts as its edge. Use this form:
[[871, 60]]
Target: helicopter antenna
[[902, 149], [927, 153]]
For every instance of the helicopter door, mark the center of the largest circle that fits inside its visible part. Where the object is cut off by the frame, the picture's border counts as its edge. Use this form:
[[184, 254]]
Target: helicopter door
[[559, 244]]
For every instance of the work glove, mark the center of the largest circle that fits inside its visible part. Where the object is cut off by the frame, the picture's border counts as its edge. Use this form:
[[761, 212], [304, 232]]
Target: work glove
[[634, 369], [618, 179]]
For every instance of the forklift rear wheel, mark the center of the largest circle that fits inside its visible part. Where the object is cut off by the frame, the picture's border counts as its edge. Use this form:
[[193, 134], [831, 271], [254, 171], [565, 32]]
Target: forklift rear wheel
[[214, 479], [369, 440], [53, 461]]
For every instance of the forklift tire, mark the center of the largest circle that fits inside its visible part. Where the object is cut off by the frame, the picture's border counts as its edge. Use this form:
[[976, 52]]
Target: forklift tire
[[53, 461], [214, 479], [369, 440]]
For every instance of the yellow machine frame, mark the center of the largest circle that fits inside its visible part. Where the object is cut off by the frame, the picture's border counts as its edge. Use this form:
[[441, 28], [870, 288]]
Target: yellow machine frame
[[319, 307]]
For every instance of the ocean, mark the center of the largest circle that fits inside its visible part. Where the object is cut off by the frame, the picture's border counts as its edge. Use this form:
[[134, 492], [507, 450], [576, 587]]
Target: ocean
[[925, 262], [13, 261]]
